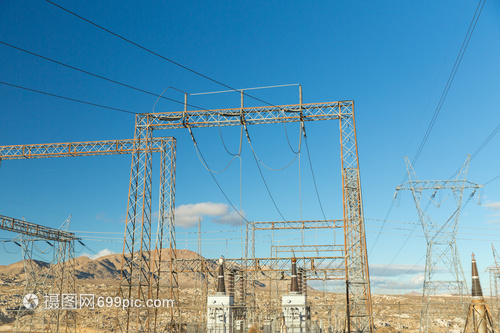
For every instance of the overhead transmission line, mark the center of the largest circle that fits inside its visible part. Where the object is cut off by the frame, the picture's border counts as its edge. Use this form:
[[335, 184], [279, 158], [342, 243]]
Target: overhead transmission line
[[451, 77], [481, 146], [179, 65], [262, 175], [169, 60], [69, 98], [155, 53], [204, 161], [458, 211], [444, 94], [99, 76], [313, 177]]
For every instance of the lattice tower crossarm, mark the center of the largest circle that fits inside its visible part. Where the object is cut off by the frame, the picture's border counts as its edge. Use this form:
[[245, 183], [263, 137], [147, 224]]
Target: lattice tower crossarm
[[74, 149], [35, 230], [308, 224], [441, 238]]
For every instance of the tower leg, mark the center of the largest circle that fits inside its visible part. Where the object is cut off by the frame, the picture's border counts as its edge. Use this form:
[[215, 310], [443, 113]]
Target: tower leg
[[358, 294]]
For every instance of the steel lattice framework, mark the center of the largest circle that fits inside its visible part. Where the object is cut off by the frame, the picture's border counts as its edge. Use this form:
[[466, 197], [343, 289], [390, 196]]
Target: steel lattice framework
[[292, 249], [138, 231], [35, 230], [441, 238], [313, 224], [61, 268], [138, 259], [74, 149], [330, 266]]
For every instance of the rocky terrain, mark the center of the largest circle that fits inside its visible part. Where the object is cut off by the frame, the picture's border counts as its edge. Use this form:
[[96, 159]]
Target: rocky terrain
[[392, 313]]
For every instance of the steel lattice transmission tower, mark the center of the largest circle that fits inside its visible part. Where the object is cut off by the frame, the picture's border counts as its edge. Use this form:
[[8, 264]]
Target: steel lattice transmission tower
[[442, 252]]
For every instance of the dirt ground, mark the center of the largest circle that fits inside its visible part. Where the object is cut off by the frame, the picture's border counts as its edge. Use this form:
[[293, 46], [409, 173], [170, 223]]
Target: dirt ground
[[391, 313]]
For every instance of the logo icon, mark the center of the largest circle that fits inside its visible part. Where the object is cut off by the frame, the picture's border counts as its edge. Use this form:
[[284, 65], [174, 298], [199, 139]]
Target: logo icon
[[30, 301]]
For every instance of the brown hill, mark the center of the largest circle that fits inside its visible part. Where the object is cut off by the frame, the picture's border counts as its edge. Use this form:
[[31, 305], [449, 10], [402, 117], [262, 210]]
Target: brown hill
[[105, 268]]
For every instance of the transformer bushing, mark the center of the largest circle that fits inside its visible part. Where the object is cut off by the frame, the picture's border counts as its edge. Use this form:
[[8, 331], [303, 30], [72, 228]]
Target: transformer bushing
[[479, 319], [295, 311], [220, 306]]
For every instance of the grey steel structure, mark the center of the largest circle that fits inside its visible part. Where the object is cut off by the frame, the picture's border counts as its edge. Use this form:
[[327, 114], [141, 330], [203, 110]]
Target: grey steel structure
[[59, 280], [441, 239]]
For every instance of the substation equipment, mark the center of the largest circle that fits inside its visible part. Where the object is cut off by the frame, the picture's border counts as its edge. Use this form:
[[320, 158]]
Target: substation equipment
[[150, 268]]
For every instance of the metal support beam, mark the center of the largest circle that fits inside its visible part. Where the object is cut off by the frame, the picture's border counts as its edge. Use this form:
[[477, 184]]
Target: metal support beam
[[313, 224], [73, 149], [35, 230], [316, 267]]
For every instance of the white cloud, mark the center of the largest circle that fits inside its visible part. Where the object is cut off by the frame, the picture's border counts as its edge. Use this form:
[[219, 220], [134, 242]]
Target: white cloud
[[380, 282], [188, 215], [418, 279], [102, 216], [99, 254], [495, 207], [395, 270]]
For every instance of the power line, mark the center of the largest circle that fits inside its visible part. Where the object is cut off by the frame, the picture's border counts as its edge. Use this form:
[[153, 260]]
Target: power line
[[262, 176], [481, 146], [200, 154], [494, 178], [98, 76], [313, 177], [155, 53], [451, 77], [260, 161], [69, 98], [447, 87], [383, 224], [485, 142]]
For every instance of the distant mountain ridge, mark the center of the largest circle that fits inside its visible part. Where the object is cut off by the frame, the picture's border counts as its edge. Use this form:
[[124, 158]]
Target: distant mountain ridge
[[102, 268]]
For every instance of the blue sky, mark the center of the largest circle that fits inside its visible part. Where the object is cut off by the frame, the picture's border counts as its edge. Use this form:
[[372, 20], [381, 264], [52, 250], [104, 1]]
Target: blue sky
[[392, 58]]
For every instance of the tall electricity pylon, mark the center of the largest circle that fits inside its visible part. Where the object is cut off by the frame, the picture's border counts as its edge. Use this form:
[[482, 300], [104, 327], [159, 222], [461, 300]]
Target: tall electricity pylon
[[442, 250]]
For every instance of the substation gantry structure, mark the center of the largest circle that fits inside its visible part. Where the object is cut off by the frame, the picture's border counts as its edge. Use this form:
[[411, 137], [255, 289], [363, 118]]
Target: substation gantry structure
[[59, 279], [441, 240], [166, 148], [142, 277], [146, 273]]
